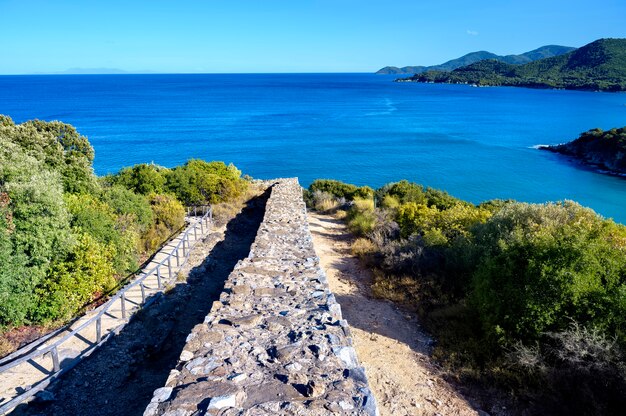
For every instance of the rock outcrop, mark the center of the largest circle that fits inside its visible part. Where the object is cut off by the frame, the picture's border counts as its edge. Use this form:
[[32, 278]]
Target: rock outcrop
[[605, 150], [275, 343]]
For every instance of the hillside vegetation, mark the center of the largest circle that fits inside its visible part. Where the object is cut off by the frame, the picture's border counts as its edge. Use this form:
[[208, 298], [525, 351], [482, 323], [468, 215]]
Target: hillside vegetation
[[604, 149], [472, 57], [598, 66], [68, 237], [527, 297]]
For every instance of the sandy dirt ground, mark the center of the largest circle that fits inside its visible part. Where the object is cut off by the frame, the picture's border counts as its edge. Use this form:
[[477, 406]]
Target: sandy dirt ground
[[389, 342]]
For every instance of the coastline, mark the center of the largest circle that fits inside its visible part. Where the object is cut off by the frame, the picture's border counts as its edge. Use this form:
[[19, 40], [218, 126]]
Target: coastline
[[579, 161]]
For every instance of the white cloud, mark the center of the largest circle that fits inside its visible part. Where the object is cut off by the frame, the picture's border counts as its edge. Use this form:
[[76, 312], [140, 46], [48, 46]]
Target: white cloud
[[472, 32]]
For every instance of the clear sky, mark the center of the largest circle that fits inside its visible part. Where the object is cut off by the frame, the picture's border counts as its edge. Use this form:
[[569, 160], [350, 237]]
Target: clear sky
[[286, 35]]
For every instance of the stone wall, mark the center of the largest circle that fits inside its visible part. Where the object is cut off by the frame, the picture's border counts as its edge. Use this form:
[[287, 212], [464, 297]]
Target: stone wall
[[275, 343]]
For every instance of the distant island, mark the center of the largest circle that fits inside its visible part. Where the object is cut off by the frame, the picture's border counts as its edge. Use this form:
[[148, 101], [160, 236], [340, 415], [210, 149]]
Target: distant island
[[547, 51], [602, 149], [598, 66]]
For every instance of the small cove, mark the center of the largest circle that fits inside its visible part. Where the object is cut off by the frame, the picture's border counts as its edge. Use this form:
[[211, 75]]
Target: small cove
[[476, 143]]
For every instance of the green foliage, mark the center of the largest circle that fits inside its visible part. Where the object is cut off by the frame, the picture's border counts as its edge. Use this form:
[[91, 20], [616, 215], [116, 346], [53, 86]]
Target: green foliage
[[169, 217], [598, 148], [85, 273], [403, 191], [339, 189], [198, 182], [361, 216], [98, 219], [142, 178], [59, 147], [33, 231], [544, 265], [520, 295], [131, 208], [600, 65], [439, 226], [65, 235]]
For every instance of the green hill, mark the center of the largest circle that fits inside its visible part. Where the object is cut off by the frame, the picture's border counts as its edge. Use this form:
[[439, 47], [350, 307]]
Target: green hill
[[598, 66], [605, 149], [539, 53]]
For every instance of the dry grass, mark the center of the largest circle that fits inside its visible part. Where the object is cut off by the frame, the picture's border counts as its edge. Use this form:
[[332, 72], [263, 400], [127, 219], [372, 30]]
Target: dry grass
[[362, 247], [401, 289], [326, 205], [6, 347], [225, 211], [340, 214]]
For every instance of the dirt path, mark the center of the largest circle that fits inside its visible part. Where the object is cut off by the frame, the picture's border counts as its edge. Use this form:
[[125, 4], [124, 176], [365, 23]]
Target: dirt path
[[389, 343], [120, 377]]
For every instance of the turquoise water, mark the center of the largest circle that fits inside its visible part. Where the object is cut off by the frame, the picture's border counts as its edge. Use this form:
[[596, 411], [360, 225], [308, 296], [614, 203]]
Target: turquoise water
[[476, 143]]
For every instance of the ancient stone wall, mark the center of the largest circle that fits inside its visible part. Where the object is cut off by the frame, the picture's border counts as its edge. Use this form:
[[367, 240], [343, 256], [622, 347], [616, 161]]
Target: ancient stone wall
[[275, 343]]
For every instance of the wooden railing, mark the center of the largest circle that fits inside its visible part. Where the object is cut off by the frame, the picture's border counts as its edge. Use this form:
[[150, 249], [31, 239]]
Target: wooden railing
[[165, 272]]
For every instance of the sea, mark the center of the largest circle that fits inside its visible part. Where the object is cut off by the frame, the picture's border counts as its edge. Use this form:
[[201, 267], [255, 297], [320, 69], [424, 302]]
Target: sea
[[475, 143]]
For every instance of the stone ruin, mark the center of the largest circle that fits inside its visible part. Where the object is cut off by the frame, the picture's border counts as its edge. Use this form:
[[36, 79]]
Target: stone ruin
[[275, 343]]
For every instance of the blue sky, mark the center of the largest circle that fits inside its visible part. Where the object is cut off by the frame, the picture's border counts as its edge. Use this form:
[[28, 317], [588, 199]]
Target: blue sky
[[286, 35]]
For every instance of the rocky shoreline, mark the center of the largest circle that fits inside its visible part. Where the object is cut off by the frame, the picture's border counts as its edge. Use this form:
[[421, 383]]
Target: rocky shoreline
[[603, 151]]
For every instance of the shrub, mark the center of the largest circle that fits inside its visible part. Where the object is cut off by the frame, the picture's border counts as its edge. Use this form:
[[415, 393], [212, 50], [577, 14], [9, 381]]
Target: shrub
[[580, 371], [98, 219], [198, 182], [169, 217], [85, 273], [543, 265], [362, 247], [143, 179], [325, 202], [62, 149], [361, 216], [132, 209], [404, 191], [340, 190], [34, 229]]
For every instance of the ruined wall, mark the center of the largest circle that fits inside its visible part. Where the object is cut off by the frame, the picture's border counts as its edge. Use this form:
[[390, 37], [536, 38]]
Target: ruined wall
[[275, 343]]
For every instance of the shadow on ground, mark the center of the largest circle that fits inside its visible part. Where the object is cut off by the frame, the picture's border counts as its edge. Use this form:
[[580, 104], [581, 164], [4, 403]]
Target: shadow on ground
[[382, 318], [385, 328], [120, 377]]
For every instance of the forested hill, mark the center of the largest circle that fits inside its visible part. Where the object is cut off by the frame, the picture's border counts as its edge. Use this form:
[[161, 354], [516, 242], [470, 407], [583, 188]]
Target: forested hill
[[539, 53], [605, 149], [598, 66]]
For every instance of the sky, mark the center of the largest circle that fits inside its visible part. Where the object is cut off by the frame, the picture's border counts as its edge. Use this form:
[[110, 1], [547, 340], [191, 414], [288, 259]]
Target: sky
[[254, 36]]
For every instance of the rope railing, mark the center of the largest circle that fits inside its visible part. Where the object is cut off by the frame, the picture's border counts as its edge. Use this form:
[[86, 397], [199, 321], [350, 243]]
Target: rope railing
[[165, 272]]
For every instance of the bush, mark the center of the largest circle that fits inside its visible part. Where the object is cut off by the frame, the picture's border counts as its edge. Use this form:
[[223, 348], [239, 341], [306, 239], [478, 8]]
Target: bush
[[198, 182], [132, 209], [98, 219], [543, 265], [362, 247], [142, 179], [169, 217], [324, 202], [83, 275], [62, 149], [341, 190], [34, 229], [361, 217], [404, 192]]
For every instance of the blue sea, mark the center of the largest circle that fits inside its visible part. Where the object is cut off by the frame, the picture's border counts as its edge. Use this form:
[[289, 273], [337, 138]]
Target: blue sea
[[476, 143]]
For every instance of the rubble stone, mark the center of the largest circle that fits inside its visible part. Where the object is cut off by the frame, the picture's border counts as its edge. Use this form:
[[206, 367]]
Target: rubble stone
[[275, 343]]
